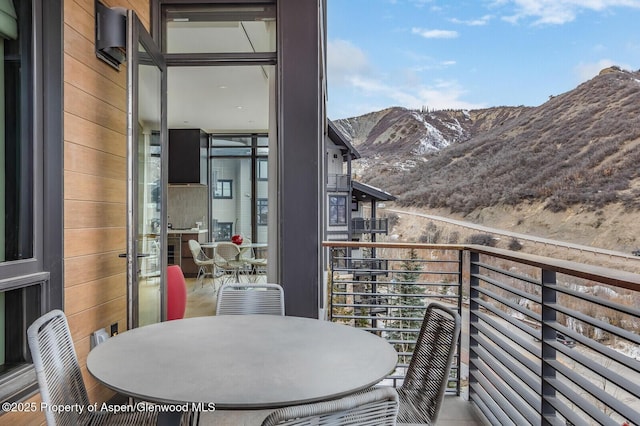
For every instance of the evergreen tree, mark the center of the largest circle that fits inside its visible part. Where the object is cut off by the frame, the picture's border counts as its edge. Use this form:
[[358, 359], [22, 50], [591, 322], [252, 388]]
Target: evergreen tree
[[408, 306]]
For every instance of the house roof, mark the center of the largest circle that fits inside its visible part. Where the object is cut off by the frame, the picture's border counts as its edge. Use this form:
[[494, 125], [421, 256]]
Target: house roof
[[338, 138], [364, 192]]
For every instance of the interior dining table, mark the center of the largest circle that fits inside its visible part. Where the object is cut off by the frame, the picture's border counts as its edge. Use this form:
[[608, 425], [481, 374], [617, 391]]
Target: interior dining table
[[245, 246], [241, 362]]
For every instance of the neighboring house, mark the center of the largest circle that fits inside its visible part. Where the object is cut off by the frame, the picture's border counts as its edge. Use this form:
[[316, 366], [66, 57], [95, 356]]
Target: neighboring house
[[339, 154], [364, 217], [351, 210], [351, 205], [65, 159]]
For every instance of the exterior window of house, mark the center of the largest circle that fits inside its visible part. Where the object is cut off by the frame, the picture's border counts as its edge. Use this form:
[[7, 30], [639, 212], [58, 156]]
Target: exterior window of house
[[27, 241], [16, 169], [224, 189], [262, 174], [337, 210], [263, 210], [223, 231], [243, 202], [16, 190]]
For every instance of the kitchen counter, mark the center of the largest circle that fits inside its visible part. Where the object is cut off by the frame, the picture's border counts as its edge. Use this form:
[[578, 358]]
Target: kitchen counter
[[178, 249], [187, 231]]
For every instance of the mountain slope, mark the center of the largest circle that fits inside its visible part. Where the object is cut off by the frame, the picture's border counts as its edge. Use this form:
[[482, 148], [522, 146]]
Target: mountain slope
[[395, 136], [581, 147]]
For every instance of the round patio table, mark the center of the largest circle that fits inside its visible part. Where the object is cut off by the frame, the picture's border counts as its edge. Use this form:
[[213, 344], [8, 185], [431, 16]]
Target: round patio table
[[242, 361]]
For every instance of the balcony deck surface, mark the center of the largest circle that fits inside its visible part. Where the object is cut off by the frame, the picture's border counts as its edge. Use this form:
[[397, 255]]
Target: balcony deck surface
[[455, 411]]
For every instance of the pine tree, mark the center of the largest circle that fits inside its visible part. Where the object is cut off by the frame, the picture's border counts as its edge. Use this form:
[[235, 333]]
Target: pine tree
[[408, 306]]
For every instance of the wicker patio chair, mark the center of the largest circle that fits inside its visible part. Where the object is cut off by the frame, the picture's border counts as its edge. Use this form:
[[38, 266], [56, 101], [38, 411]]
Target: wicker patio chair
[[247, 299], [206, 265], [227, 259], [60, 379], [424, 385], [378, 407], [257, 266]]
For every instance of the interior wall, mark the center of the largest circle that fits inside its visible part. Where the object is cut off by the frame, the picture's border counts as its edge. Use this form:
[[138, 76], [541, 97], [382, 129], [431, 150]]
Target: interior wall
[[94, 182], [187, 205]]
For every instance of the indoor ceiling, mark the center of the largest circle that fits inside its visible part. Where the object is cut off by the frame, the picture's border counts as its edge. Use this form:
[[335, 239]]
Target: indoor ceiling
[[220, 98]]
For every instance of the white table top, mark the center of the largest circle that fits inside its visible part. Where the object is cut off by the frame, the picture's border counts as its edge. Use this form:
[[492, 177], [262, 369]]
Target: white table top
[[242, 361], [214, 244], [188, 231]]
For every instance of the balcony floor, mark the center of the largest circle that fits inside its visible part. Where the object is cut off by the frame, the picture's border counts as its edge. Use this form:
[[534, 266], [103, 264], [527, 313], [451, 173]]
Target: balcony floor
[[455, 411]]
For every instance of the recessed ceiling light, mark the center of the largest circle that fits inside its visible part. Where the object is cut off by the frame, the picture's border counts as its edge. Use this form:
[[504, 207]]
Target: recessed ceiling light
[[239, 107], [222, 87]]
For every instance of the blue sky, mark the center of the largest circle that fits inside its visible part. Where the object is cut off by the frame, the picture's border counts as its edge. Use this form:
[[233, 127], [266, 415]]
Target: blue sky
[[471, 54]]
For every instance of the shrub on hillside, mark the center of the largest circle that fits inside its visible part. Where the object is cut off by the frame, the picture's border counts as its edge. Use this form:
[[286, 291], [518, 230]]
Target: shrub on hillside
[[515, 245], [482, 240]]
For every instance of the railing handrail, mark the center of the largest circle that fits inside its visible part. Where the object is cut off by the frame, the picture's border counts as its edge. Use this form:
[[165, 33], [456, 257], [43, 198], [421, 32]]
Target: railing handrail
[[561, 330], [619, 278]]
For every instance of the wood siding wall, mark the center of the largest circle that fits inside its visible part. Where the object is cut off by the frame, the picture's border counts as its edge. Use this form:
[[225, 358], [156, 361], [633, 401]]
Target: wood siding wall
[[94, 182], [94, 188]]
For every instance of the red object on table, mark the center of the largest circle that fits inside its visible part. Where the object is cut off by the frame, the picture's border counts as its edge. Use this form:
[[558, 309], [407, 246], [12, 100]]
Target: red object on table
[[236, 239]]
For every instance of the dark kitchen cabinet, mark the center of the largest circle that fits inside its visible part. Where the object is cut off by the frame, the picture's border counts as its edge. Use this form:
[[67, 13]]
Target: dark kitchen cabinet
[[188, 156]]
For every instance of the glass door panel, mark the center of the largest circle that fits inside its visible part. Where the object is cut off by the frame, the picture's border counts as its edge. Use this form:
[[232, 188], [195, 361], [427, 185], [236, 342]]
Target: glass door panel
[[146, 200]]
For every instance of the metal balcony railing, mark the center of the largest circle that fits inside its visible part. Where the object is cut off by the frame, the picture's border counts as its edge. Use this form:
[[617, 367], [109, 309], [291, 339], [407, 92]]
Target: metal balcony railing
[[361, 225], [338, 182], [546, 341]]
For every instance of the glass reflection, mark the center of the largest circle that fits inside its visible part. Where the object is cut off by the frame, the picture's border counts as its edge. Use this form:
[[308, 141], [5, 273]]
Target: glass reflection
[[149, 190]]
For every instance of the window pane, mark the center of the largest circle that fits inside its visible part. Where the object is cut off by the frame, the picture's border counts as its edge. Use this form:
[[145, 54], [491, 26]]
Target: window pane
[[262, 172], [16, 181], [221, 29], [337, 210], [231, 202], [240, 194], [263, 211]]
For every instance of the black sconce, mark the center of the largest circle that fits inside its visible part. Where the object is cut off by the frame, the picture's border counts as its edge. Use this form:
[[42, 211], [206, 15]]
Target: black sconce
[[111, 34]]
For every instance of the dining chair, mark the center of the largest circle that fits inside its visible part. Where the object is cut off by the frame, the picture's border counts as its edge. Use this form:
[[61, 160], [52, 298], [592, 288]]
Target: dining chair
[[60, 378], [227, 258], [377, 407], [176, 293], [247, 254], [206, 265], [425, 382], [250, 298]]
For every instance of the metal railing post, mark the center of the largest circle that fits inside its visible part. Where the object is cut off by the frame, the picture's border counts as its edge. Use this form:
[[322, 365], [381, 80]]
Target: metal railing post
[[474, 294], [549, 315], [460, 292], [331, 281]]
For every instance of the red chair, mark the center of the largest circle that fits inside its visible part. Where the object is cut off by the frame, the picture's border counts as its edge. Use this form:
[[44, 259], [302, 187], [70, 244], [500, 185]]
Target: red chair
[[176, 293]]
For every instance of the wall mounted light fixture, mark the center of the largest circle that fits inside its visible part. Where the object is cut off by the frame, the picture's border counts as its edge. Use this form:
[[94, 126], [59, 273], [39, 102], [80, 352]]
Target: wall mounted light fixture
[[111, 34]]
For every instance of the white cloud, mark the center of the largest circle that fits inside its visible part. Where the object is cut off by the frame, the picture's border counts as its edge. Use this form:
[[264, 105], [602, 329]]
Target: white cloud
[[557, 11], [434, 33], [586, 71], [443, 94], [484, 20], [344, 60], [420, 3], [363, 88]]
